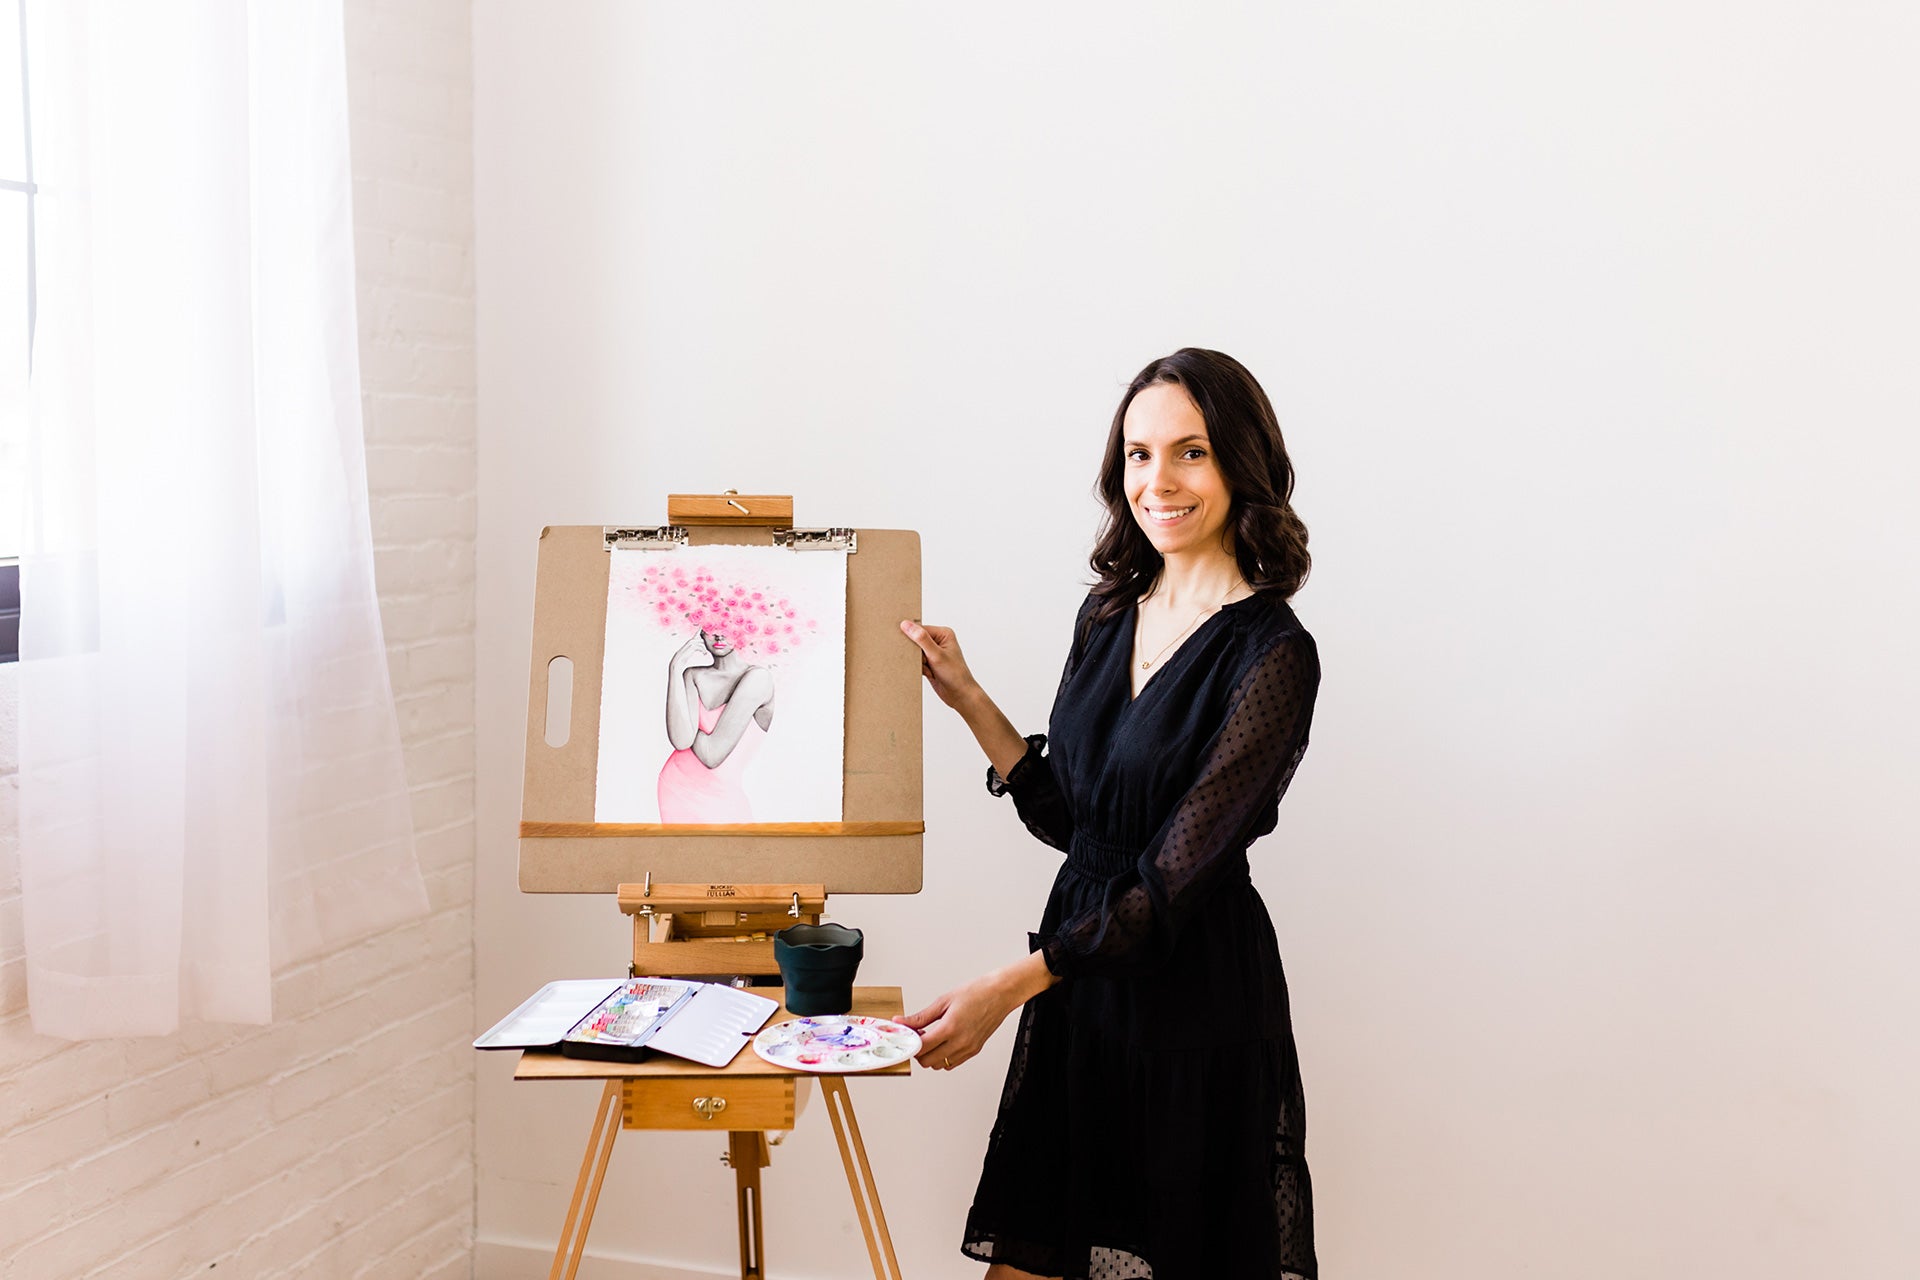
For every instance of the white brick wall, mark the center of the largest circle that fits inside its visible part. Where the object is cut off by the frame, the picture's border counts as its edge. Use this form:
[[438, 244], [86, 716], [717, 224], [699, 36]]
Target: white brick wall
[[339, 1140]]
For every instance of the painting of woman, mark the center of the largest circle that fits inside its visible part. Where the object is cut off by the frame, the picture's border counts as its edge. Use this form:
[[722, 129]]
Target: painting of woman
[[726, 626], [719, 707]]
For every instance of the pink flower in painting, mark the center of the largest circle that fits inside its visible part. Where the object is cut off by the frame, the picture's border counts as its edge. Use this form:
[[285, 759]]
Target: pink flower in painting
[[686, 599]]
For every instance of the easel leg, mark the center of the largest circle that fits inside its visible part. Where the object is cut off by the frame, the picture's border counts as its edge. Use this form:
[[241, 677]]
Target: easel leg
[[606, 1127], [866, 1196], [747, 1153]]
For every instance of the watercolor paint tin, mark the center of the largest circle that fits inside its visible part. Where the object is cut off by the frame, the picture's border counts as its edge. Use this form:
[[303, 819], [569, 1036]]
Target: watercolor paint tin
[[836, 1043]]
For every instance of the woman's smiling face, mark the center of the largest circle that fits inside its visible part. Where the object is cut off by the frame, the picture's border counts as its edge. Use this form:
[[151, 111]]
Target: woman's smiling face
[[1178, 496]]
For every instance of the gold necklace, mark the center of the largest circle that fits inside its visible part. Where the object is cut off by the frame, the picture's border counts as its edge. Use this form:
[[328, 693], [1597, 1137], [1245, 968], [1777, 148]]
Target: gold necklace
[[1147, 664]]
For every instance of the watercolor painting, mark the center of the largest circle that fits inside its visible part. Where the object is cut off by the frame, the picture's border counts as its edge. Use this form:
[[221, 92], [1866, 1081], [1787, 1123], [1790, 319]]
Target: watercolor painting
[[723, 691]]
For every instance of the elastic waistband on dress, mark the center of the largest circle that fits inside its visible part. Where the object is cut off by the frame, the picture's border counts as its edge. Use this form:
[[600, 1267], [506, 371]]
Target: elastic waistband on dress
[[1104, 859], [1100, 859]]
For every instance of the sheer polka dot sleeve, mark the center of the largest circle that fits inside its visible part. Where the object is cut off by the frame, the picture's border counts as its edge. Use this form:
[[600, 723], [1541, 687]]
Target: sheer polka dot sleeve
[[1037, 795], [1234, 800]]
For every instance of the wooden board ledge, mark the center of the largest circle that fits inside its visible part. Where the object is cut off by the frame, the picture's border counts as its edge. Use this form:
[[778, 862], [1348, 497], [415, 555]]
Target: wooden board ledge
[[622, 830]]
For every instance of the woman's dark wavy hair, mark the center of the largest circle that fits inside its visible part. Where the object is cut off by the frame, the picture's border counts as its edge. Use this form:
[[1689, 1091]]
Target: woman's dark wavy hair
[[1269, 539]]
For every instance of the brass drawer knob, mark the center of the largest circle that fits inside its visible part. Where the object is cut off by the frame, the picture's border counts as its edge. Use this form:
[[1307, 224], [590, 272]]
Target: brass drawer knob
[[708, 1108]]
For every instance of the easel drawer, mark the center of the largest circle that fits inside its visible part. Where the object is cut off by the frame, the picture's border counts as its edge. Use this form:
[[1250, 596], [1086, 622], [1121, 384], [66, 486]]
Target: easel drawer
[[708, 1104]]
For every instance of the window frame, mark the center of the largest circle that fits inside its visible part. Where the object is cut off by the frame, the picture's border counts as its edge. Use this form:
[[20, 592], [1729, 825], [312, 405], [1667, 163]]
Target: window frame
[[9, 611], [26, 187]]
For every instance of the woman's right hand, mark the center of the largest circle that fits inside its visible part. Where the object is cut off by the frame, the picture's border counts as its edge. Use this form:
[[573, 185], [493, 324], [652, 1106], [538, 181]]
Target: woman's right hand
[[941, 662], [691, 654]]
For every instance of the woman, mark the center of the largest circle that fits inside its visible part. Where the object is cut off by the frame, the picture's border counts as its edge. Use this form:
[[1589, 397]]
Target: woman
[[1152, 1122], [718, 707]]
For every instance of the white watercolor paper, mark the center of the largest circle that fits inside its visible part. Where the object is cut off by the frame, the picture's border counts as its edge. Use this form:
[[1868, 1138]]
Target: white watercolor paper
[[723, 693]]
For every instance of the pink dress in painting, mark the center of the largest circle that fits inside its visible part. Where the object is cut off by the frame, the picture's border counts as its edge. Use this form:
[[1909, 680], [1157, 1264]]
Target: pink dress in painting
[[691, 792]]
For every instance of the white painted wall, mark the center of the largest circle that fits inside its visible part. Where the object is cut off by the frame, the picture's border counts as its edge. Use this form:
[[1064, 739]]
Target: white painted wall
[[339, 1140], [1592, 331]]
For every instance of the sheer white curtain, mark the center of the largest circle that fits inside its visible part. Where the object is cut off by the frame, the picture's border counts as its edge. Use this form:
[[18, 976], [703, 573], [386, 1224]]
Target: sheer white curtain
[[210, 771]]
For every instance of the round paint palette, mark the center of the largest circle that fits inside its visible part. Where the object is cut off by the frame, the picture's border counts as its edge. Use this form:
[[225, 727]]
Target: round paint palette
[[837, 1042]]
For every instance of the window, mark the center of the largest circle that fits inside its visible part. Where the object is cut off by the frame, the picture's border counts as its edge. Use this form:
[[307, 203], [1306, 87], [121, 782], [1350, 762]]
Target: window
[[16, 312]]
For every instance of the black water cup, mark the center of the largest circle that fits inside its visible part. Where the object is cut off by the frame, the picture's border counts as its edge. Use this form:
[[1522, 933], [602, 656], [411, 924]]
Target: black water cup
[[817, 964]]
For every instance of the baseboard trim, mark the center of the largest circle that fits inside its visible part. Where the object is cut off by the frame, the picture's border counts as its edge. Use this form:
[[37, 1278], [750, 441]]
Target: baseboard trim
[[525, 1260]]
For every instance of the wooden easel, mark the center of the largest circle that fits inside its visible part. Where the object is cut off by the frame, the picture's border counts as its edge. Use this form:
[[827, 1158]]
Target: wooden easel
[[678, 931], [726, 930], [754, 1097], [714, 930]]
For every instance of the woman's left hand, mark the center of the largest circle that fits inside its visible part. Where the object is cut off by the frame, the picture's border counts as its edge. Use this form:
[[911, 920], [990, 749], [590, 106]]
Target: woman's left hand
[[958, 1025]]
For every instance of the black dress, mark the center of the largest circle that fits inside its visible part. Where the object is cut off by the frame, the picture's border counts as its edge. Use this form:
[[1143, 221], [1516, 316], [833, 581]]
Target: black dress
[[1153, 1123]]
